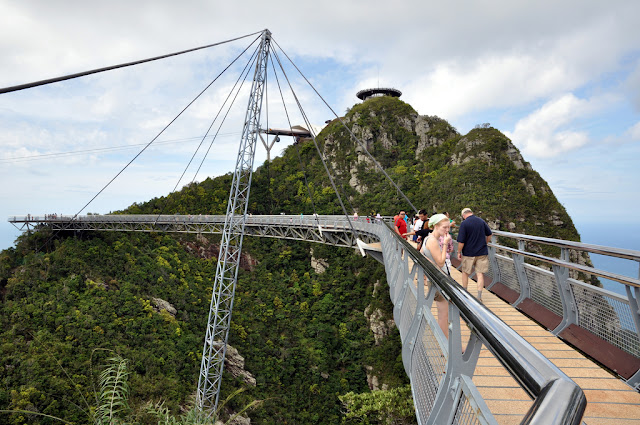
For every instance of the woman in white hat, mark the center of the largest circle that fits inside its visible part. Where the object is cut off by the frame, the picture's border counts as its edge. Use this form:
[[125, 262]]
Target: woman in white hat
[[436, 252], [433, 249]]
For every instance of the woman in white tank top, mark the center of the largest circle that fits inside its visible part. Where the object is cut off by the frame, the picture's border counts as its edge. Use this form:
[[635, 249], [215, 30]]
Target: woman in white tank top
[[435, 251], [437, 254]]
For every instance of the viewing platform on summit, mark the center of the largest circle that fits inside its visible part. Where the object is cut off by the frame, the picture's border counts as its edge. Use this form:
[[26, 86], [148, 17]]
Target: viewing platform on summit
[[377, 92]]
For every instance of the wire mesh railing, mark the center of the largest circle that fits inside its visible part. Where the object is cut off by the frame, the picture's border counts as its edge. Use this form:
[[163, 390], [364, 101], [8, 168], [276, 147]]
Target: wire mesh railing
[[441, 366], [603, 324]]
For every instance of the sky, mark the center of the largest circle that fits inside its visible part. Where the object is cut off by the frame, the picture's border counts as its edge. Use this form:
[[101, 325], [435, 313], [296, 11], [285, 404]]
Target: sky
[[560, 78]]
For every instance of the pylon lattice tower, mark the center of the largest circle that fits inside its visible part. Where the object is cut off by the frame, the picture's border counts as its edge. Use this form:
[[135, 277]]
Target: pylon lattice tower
[[215, 344]]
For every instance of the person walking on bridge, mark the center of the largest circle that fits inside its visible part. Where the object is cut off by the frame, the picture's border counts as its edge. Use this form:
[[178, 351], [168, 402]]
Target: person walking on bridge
[[473, 237], [423, 231], [401, 225]]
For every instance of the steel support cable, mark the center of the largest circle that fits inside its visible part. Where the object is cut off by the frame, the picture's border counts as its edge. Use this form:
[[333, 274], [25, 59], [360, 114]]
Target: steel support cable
[[242, 75], [362, 145], [304, 173], [55, 155], [266, 104], [166, 126], [313, 136], [158, 135], [308, 122], [109, 68], [302, 167], [347, 216], [244, 72], [223, 119]]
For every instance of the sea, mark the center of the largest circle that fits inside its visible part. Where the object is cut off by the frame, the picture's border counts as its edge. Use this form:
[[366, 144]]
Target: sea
[[623, 235]]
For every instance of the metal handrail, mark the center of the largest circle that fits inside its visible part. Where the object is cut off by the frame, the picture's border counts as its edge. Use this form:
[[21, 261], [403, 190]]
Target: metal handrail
[[628, 254], [572, 266], [558, 400]]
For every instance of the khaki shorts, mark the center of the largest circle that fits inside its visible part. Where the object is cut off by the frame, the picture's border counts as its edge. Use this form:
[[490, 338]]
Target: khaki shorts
[[481, 263]]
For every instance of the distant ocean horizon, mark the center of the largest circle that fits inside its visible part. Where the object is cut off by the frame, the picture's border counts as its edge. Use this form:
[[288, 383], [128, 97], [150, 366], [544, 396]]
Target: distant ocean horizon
[[625, 236]]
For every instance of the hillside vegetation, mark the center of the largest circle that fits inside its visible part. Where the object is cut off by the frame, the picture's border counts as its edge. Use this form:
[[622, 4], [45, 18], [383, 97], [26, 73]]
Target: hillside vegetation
[[305, 333]]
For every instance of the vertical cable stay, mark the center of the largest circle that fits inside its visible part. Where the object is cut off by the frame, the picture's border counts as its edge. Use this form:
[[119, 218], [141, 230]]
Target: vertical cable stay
[[215, 136], [313, 136], [266, 104], [362, 145], [304, 172], [244, 73]]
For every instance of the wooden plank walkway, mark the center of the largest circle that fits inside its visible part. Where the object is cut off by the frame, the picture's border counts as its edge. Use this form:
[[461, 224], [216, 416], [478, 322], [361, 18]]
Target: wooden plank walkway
[[609, 400]]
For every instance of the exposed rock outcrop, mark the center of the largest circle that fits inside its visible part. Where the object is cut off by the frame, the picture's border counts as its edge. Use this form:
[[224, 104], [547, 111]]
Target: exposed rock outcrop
[[377, 324], [426, 127], [319, 265], [160, 304], [373, 381], [234, 364], [203, 248]]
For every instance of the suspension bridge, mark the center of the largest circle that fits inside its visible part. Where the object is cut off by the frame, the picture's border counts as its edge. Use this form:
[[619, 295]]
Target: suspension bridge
[[539, 344], [544, 348]]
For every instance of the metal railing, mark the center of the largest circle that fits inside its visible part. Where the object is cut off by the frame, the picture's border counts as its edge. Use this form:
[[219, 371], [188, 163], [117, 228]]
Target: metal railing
[[441, 372], [611, 317]]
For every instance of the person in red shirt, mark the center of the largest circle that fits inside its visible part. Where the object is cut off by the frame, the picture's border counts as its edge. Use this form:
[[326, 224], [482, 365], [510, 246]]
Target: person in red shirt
[[401, 224]]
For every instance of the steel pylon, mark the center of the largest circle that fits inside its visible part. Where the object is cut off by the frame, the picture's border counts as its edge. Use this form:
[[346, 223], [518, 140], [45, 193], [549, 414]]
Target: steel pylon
[[215, 343]]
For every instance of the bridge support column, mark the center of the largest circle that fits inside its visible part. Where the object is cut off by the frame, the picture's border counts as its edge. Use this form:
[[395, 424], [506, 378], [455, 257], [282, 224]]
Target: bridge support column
[[215, 343], [495, 268], [521, 274], [569, 308]]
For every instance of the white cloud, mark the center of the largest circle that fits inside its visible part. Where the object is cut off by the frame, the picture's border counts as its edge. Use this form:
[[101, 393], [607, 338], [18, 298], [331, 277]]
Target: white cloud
[[634, 132], [460, 60], [452, 90], [547, 131]]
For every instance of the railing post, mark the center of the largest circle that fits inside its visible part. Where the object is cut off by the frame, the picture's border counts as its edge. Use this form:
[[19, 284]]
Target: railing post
[[569, 308], [401, 289], [409, 342], [459, 364], [518, 263], [634, 306], [495, 268], [396, 270]]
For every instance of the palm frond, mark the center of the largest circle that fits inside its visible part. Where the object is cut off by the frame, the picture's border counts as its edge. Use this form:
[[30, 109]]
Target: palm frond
[[114, 391]]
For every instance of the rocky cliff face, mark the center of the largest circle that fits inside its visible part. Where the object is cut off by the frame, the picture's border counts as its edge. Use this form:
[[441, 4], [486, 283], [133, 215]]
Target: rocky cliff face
[[440, 169]]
